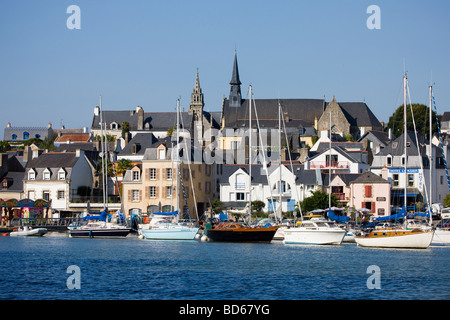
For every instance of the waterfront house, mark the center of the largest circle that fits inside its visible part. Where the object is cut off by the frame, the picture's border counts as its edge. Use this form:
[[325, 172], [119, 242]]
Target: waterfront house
[[154, 185], [55, 176], [416, 180], [372, 192], [290, 185]]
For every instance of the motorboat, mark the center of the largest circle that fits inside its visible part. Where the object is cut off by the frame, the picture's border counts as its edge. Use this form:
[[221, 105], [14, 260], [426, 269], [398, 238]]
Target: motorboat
[[318, 231], [28, 232], [99, 229], [162, 226]]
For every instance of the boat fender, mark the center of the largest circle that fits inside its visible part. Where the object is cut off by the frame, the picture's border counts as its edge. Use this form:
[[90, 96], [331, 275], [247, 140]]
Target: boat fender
[[204, 238]]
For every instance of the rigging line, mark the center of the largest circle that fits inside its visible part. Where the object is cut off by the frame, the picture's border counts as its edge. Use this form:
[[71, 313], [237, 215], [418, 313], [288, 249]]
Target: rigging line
[[188, 156], [441, 143], [264, 154], [290, 158], [417, 142]]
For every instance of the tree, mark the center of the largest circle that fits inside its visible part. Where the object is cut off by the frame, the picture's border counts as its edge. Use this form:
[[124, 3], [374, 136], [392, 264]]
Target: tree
[[318, 200], [421, 117], [123, 165], [4, 146], [125, 128], [258, 205], [217, 205], [447, 200]]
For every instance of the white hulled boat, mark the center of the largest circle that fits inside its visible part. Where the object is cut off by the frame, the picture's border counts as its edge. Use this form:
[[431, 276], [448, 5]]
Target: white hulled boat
[[401, 236], [162, 227], [29, 232], [165, 225], [442, 234], [315, 231]]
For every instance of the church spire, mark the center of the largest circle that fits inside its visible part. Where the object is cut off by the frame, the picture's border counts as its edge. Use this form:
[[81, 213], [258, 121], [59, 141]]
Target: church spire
[[235, 90], [197, 102]]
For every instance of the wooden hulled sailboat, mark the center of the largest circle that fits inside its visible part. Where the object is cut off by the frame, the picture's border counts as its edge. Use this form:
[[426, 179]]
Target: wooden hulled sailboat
[[399, 236]]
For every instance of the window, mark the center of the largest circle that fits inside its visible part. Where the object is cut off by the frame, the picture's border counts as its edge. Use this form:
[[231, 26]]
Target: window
[[60, 194], [46, 195], [135, 195], [161, 154], [403, 160], [395, 180], [240, 196], [410, 180], [31, 194], [152, 192], [26, 135], [5, 184], [31, 175], [389, 160], [135, 175], [14, 137], [152, 174], [368, 191], [169, 173], [61, 175], [46, 174], [168, 192]]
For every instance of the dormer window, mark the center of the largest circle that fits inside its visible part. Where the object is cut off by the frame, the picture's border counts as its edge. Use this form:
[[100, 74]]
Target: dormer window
[[47, 174], [61, 174], [161, 154], [32, 175], [389, 160], [136, 175]]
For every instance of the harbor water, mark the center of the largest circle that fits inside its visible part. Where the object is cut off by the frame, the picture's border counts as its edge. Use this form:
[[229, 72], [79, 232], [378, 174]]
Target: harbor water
[[135, 269]]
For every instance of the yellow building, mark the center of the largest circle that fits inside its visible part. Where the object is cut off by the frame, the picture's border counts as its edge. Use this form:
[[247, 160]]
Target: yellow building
[[155, 184]]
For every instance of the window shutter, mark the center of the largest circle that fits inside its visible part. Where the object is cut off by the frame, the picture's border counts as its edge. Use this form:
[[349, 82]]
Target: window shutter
[[140, 195], [373, 207], [147, 193], [130, 195]]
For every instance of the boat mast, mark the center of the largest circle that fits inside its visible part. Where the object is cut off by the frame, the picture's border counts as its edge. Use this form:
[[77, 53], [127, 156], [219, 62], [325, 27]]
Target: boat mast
[[279, 141], [430, 156], [102, 152], [405, 137], [329, 170], [250, 154], [177, 160]]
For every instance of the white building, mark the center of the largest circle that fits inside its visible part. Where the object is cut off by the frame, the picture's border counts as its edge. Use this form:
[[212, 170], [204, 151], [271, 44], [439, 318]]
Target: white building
[[295, 185], [53, 175], [417, 180]]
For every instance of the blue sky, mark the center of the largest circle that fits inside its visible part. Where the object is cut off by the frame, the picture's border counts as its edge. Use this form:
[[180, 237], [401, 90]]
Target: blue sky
[[146, 53]]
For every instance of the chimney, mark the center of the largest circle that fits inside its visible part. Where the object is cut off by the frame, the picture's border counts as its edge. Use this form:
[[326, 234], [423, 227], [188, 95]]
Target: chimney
[[390, 134], [140, 122], [96, 111]]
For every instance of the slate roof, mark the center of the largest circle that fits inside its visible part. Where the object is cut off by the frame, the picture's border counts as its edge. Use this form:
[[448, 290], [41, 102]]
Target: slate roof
[[155, 121], [301, 113], [369, 177], [142, 140], [396, 147]]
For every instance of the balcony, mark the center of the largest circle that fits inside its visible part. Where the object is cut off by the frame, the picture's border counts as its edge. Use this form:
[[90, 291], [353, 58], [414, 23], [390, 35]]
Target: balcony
[[328, 165]]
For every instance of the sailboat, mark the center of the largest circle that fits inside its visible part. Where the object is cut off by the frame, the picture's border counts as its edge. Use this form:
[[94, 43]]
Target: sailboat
[[442, 232], [398, 236], [238, 231], [98, 226], [319, 231], [165, 226]]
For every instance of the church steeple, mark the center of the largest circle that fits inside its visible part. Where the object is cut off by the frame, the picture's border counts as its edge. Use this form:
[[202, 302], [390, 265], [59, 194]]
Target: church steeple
[[235, 90], [197, 103]]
